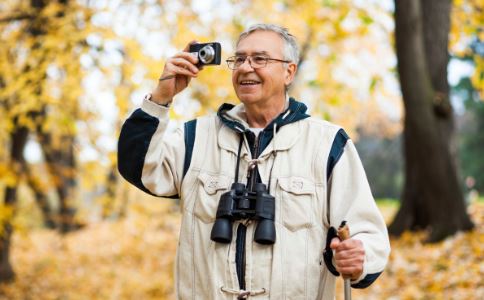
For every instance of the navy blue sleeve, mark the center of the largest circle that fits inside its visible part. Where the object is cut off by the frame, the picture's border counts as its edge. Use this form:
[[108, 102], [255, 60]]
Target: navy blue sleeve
[[133, 144], [367, 281]]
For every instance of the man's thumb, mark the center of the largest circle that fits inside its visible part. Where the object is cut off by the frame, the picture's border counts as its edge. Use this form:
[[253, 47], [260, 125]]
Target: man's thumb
[[334, 243]]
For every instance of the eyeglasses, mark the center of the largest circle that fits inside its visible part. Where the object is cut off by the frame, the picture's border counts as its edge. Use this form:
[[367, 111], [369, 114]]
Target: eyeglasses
[[256, 61]]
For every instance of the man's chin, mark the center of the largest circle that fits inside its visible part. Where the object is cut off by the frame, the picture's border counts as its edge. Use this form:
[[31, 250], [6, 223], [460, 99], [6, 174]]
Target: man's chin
[[248, 98]]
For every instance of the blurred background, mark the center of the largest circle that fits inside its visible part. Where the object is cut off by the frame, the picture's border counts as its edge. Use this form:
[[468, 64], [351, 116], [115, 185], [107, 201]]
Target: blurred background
[[405, 79]]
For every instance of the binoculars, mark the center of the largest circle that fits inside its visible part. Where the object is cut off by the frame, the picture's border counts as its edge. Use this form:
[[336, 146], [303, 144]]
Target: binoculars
[[238, 204]]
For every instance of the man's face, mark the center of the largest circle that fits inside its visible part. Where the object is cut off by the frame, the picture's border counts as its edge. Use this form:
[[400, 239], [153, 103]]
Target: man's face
[[267, 84]]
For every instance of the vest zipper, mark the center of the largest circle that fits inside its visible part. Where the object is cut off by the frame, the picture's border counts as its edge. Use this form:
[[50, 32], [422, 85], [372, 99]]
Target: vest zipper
[[242, 229]]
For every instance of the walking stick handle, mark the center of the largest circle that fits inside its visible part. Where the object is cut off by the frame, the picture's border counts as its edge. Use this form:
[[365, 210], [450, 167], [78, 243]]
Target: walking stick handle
[[344, 234], [344, 231]]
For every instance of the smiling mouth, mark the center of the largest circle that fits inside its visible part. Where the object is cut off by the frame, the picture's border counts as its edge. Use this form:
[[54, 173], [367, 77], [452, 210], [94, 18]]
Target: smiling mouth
[[248, 82]]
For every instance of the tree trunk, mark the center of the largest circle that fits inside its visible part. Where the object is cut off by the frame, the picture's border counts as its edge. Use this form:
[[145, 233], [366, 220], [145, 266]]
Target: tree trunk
[[61, 165], [59, 156], [41, 197], [111, 186], [432, 198], [18, 140]]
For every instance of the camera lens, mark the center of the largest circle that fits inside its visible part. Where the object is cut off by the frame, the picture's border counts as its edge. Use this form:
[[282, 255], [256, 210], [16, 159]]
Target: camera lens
[[206, 54]]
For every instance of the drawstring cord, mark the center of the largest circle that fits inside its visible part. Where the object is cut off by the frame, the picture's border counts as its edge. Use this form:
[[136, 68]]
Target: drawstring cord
[[254, 162], [243, 294]]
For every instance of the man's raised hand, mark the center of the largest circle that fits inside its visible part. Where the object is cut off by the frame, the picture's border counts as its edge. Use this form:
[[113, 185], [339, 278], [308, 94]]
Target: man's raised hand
[[177, 73]]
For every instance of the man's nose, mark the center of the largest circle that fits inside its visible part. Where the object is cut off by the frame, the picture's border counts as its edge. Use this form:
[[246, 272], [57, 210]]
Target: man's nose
[[246, 65]]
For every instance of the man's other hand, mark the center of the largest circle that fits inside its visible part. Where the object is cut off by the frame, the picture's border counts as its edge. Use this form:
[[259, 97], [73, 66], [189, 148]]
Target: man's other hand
[[349, 257]]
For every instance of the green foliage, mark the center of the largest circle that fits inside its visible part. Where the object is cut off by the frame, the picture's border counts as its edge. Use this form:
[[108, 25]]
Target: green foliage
[[472, 135]]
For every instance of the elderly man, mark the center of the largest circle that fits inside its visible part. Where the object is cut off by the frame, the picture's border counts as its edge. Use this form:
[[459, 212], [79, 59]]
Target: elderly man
[[267, 150]]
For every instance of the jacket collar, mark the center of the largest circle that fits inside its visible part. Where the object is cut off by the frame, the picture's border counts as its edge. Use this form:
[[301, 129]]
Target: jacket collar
[[234, 119]]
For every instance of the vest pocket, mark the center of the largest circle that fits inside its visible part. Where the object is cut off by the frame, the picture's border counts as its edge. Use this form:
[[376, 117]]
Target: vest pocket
[[297, 195], [210, 188]]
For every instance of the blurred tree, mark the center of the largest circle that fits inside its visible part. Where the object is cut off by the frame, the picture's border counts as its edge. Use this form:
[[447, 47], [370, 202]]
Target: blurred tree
[[23, 106], [43, 57], [18, 138], [381, 157], [432, 198]]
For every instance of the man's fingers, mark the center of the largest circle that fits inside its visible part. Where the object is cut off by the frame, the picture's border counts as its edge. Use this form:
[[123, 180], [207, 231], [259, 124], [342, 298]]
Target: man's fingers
[[187, 56], [183, 71], [179, 66], [190, 56], [335, 242], [349, 253], [349, 256], [350, 244], [352, 256], [348, 262], [183, 63], [352, 267]]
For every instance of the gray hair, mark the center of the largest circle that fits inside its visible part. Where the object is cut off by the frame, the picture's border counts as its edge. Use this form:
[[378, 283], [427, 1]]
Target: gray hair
[[291, 50]]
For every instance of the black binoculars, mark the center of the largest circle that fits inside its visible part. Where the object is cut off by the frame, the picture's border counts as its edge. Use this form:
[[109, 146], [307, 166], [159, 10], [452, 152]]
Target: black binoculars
[[238, 204]]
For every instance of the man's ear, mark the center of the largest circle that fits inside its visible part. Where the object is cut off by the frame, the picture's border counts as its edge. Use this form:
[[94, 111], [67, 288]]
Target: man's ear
[[290, 73]]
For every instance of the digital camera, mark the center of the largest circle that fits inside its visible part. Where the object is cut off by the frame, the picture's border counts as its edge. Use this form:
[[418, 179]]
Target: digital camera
[[208, 53]]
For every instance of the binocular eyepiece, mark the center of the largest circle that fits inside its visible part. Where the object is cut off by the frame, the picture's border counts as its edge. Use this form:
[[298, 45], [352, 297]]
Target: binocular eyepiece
[[238, 204]]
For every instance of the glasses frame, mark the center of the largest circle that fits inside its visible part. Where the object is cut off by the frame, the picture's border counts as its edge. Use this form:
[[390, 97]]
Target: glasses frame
[[231, 60]]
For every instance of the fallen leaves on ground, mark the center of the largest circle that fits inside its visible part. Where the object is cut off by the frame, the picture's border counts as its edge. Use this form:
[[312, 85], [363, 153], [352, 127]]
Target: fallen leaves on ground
[[128, 259], [451, 269], [133, 258]]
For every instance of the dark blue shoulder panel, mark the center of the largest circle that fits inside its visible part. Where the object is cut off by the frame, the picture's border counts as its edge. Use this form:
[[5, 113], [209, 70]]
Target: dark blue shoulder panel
[[190, 131], [336, 151], [133, 144]]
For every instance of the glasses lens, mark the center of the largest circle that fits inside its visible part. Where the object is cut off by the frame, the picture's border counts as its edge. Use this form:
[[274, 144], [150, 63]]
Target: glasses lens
[[256, 62], [239, 60], [259, 61]]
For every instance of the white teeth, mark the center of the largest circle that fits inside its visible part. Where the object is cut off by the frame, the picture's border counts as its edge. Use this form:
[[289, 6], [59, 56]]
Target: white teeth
[[248, 82]]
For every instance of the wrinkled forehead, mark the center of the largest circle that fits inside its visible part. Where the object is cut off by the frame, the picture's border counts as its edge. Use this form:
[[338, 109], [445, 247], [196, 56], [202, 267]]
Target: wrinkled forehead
[[260, 42]]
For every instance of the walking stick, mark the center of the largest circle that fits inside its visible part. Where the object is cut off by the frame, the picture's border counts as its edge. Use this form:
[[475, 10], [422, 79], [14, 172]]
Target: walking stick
[[344, 234]]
